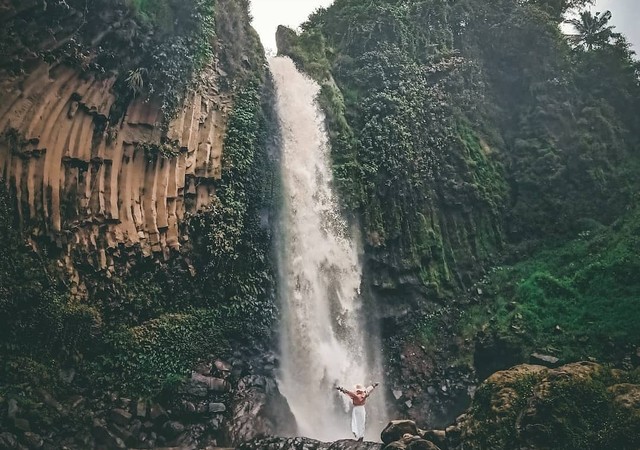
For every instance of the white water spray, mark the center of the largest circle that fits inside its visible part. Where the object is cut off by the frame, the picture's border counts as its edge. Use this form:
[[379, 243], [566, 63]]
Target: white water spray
[[323, 338]]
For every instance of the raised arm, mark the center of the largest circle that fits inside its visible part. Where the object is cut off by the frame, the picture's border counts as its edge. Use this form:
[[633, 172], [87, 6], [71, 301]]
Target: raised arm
[[371, 388], [346, 392]]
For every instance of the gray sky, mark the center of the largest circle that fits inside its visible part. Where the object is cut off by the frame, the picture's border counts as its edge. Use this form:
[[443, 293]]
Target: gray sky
[[625, 16], [268, 14]]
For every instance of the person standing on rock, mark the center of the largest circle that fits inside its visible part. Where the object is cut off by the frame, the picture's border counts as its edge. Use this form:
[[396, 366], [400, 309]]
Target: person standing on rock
[[358, 414]]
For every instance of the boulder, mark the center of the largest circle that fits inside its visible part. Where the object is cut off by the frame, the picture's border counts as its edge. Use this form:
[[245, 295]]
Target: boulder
[[422, 444], [33, 440], [258, 409], [8, 440], [223, 368], [545, 360], [396, 429], [103, 436], [141, 409], [120, 417], [397, 445], [12, 408], [157, 413], [173, 429], [535, 407], [22, 424], [217, 407], [627, 397], [438, 437]]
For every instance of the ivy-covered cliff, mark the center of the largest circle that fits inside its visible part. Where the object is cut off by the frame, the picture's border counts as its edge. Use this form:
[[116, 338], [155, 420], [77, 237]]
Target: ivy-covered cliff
[[469, 137]]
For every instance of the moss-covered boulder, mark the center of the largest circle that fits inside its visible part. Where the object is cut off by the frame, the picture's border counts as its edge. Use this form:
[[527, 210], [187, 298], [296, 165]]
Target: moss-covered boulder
[[577, 406]]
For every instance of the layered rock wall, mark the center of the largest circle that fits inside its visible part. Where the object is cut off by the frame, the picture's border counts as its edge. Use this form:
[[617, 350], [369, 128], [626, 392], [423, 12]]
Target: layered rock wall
[[82, 181]]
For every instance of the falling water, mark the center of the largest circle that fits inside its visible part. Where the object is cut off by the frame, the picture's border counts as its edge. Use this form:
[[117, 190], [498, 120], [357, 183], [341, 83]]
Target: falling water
[[324, 342]]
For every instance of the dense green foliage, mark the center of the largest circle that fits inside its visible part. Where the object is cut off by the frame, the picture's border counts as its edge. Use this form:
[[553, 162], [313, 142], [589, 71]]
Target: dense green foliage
[[473, 140], [149, 321], [404, 114], [156, 48], [36, 316], [231, 244], [576, 300]]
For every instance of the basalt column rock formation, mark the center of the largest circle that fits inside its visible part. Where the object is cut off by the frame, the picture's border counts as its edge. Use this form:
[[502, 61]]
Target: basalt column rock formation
[[82, 181]]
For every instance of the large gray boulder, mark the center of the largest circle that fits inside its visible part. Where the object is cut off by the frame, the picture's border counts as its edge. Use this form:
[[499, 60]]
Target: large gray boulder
[[258, 410], [398, 428]]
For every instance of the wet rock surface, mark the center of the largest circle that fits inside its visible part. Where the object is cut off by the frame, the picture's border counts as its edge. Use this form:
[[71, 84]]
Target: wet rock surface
[[298, 443], [259, 410], [218, 404]]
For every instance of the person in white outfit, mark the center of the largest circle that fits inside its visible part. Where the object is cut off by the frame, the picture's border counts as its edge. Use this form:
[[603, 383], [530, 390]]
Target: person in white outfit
[[358, 414]]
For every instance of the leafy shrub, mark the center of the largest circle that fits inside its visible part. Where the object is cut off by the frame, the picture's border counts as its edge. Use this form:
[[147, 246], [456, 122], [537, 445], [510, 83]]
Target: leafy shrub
[[36, 315], [142, 358]]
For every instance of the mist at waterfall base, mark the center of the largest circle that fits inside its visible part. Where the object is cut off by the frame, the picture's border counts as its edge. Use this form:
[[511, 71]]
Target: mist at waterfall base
[[323, 338]]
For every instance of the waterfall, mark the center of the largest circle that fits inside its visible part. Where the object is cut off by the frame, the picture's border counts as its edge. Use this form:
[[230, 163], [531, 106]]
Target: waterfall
[[323, 336]]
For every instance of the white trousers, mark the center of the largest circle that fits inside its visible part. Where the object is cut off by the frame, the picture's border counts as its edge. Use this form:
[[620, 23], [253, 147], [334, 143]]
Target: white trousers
[[358, 418]]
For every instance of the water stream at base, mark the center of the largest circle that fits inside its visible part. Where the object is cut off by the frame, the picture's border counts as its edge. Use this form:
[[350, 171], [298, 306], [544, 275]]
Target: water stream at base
[[324, 342]]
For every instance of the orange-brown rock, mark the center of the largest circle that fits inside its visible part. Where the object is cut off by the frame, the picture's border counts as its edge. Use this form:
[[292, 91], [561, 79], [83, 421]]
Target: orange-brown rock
[[83, 182]]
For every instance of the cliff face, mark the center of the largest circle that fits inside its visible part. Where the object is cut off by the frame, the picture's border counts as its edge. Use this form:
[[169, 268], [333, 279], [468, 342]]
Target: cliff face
[[467, 136], [82, 181], [133, 156]]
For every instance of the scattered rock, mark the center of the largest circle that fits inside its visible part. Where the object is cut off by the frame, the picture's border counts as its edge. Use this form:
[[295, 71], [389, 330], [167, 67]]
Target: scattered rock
[[157, 413], [173, 428], [12, 408], [298, 443], [438, 437], [33, 440], [67, 375], [8, 440], [120, 416], [203, 368], [546, 360], [103, 436], [122, 432], [217, 407], [396, 429], [196, 386], [215, 423], [52, 402], [189, 408], [141, 409], [76, 401], [223, 368], [22, 424], [422, 444]]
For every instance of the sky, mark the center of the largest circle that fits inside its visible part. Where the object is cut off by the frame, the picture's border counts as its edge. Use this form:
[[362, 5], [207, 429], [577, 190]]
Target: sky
[[625, 16], [268, 14]]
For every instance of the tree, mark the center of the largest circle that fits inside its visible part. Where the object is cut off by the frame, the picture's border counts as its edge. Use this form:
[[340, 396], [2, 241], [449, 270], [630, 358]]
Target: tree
[[593, 31], [557, 8]]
